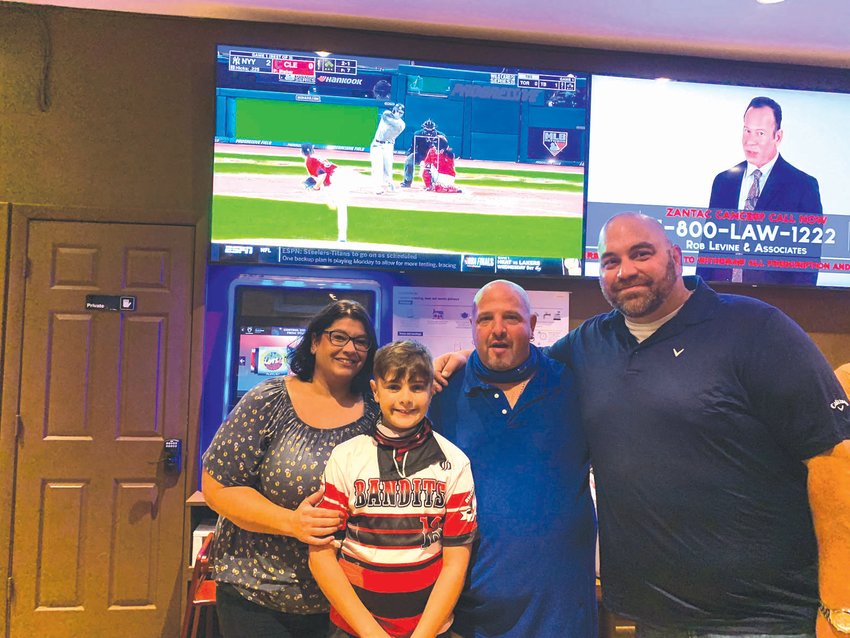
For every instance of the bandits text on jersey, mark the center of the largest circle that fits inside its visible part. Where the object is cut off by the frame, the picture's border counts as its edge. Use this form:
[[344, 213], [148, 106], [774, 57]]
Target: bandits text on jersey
[[412, 492]]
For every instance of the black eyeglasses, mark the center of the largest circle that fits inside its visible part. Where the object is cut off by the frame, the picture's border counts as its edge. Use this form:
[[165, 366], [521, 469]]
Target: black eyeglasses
[[340, 338]]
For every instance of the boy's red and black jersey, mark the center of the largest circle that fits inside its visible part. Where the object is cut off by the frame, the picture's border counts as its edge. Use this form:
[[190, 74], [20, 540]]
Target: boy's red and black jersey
[[402, 510]]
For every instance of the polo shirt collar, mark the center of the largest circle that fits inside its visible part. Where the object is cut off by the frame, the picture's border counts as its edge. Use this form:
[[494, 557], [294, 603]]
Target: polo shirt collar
[[472, 384], [699, 307]]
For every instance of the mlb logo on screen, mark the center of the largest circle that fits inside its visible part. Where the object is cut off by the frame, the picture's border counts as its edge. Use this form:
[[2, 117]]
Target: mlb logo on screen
[[555, 141]]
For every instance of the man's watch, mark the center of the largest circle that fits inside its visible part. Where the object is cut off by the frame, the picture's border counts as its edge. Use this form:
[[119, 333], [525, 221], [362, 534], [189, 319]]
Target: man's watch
[[838, 618]]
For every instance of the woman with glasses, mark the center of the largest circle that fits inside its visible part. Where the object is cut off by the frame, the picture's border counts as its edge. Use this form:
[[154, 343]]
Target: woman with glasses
[[262, 474]]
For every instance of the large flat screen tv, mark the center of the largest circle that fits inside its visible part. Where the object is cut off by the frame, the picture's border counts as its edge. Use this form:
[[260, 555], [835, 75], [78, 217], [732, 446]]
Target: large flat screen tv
[[684, 153], [331, 159]]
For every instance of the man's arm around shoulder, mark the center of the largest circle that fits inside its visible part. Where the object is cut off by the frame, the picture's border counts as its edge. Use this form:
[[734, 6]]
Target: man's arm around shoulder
[[561, 350]]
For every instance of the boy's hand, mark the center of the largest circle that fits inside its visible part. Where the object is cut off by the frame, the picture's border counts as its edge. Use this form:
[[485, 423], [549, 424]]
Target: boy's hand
[[447, 364], [315, 525]]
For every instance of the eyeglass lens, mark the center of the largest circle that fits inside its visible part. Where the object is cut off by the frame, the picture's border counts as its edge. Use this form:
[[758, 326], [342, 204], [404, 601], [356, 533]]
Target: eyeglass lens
[[339, 338]]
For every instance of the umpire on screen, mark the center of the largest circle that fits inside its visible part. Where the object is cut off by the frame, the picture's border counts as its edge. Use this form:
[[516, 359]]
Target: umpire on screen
[[423, 139]]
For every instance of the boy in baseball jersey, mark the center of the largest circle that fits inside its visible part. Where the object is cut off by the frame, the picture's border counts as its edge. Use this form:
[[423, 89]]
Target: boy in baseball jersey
[[409, 498]]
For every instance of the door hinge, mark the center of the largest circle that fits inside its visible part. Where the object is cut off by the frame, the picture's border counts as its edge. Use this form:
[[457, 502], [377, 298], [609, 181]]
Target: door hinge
[[19, 427], [10, 589], [27, 267]]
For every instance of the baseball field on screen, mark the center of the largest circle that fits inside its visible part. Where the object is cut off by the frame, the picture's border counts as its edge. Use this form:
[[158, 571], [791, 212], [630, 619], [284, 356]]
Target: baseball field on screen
[[503, 209]]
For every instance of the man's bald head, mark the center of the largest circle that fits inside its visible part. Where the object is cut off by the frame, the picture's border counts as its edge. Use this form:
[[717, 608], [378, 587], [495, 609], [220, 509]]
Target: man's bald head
[[640, 269], [628, 222], [503, 324], [508, 286]]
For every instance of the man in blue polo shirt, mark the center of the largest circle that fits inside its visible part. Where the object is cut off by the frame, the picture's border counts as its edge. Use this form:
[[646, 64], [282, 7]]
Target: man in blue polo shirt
[[514, 413], [719, 440], [707, 415]]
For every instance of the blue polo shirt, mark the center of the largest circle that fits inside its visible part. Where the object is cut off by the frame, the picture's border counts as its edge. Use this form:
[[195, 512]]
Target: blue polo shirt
[[697, 437], [532, 571]]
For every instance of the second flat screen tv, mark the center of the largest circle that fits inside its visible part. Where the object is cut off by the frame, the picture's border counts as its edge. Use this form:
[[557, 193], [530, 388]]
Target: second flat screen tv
[[684, 153]]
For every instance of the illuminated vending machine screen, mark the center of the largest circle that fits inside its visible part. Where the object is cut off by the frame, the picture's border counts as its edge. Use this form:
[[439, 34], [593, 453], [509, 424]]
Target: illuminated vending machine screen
[[751, 183], [269, 318], [331, 159], [263, 353]]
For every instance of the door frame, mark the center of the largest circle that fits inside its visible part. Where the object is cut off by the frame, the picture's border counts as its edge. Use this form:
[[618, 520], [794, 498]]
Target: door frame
[[14, 237]]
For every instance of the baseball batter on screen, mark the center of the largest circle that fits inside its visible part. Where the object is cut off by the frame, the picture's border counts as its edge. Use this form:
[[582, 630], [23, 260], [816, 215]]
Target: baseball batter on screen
[[390, 126]]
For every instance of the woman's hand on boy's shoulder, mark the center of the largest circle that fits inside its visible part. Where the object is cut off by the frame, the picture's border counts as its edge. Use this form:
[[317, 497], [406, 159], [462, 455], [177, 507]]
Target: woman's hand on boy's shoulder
[[315, 525]]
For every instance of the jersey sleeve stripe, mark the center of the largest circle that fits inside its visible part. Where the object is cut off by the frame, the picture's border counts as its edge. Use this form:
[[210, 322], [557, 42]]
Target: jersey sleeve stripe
[[460, 500], [335, 497], [462, 539]]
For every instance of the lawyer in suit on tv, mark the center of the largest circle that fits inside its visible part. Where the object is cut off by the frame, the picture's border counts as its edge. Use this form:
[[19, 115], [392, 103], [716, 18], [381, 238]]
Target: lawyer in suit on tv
[[764, 181]]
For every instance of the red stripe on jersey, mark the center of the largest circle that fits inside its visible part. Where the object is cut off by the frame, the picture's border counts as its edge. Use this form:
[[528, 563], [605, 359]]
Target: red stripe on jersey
[[383, 545], [378, 530], [391, 567], [391, 582], [460, 519], [460, 499], [334, 499]]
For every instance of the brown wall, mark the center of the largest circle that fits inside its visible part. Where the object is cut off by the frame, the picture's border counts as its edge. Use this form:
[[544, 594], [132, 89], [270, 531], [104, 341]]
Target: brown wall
[[109, 117], [122, 129]]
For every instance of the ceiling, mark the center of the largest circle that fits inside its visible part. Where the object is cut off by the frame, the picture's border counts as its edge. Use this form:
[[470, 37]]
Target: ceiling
[[811, 32]]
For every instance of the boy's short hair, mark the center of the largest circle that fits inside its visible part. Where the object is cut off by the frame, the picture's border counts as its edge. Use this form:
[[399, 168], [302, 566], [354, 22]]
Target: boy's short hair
[[403, 360]]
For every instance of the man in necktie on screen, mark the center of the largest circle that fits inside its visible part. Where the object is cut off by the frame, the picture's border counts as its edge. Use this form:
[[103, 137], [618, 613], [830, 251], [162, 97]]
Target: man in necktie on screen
[[764, 181]]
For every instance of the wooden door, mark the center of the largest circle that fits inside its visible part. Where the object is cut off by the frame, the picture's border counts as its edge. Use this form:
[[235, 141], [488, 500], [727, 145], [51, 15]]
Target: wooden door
[[97, 547]]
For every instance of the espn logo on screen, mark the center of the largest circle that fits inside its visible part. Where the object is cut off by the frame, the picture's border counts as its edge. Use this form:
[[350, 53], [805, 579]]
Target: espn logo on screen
[[555, 141], [230, 249]]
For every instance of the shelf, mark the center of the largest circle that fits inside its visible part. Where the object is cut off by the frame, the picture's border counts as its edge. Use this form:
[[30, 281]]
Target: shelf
[[196, 500]]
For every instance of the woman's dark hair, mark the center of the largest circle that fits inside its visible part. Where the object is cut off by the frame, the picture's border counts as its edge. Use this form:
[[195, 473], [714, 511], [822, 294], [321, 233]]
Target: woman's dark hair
[[303, 362]]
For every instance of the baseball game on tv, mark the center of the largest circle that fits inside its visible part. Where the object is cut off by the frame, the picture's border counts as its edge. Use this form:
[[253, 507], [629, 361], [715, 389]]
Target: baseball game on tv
[[342, 160], [750, 182]]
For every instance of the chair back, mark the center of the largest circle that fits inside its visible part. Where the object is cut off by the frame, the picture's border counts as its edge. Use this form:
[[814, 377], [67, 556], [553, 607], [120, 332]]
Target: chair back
[[201, 572], [201, 588]]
